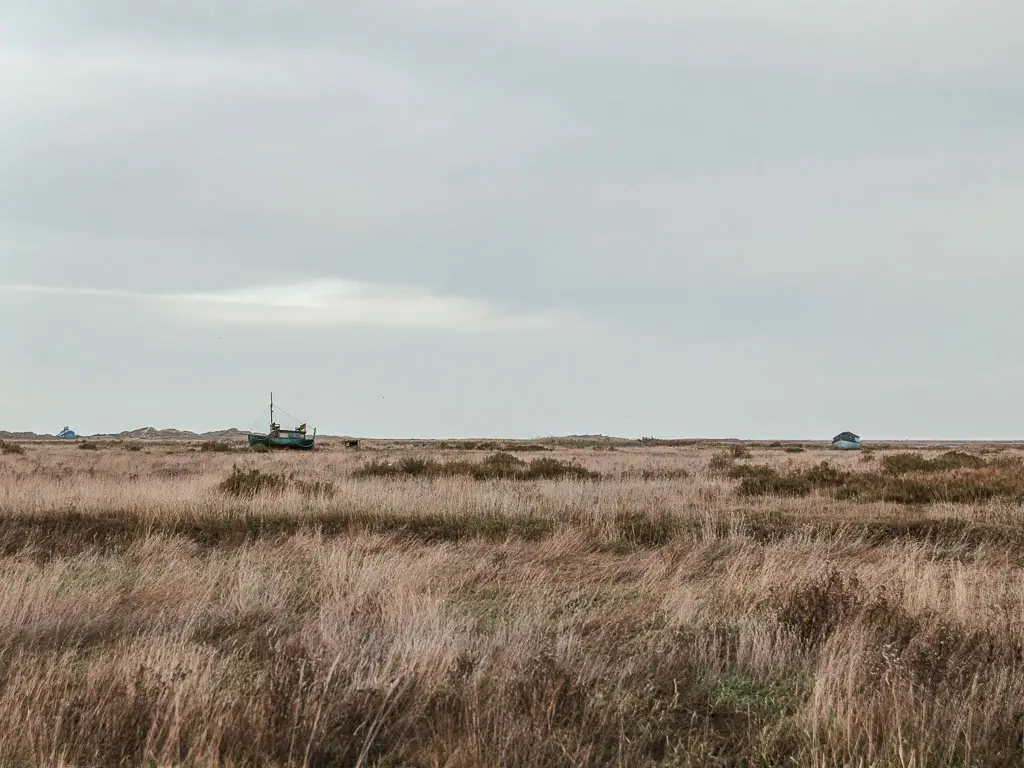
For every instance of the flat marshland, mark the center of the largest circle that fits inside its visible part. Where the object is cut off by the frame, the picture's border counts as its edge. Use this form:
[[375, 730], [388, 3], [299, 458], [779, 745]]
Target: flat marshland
[[434, 605]]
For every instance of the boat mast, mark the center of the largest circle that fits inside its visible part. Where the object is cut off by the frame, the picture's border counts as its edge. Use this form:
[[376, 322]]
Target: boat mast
[[271, 410]]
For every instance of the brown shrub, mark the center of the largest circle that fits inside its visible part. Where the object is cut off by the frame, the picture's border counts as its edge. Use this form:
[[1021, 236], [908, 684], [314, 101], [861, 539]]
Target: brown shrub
[[946, 479], [656, 473], [216, 446], [764, 480], [903, 463], [815, 609], [251, 482], [739, 451], [721, 463], [498, 466]]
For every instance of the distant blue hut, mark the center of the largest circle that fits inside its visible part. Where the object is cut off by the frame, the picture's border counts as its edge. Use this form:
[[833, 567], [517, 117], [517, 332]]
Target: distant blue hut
[[67, 434], [846, 441]]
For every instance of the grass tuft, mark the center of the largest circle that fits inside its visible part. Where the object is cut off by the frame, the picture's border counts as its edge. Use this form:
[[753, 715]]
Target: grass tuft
[[249, 483]]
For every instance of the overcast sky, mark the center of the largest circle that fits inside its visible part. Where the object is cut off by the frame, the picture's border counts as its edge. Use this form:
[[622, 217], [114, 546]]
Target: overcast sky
[[723, 218]]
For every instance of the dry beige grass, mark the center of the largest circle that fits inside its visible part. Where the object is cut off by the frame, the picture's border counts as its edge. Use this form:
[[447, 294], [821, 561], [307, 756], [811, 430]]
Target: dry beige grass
[[646, 618]]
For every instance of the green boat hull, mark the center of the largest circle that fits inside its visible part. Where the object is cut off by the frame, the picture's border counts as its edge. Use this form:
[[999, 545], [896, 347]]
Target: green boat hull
[[272, 441]]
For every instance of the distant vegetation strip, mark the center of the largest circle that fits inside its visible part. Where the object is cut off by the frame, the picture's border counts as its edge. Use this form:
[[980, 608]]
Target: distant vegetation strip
[[905, 478]]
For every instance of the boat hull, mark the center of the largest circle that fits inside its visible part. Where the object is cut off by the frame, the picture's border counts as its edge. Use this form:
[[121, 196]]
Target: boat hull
[[271, 441], [846, 445]]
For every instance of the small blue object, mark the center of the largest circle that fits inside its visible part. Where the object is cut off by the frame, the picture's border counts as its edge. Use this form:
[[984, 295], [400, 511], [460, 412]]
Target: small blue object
[[67, 434]]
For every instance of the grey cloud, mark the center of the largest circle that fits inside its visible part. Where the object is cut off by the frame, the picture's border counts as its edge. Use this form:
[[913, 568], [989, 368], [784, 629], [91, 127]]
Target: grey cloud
[[719, 188]]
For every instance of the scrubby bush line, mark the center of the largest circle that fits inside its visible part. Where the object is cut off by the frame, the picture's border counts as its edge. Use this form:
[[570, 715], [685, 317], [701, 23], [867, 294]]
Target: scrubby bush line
[[907, 478], [498, 466]]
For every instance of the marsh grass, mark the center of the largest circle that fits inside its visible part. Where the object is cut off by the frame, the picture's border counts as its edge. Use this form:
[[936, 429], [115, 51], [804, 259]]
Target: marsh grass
[[904, 478], [217, 446], [176, 608], [497, 466]]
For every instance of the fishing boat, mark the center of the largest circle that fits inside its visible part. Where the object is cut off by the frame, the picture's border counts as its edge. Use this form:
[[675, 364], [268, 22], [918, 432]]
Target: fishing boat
[[282, 438]]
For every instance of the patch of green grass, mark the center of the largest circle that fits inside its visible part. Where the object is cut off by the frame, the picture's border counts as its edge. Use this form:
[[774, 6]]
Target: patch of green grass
[[738, 693]]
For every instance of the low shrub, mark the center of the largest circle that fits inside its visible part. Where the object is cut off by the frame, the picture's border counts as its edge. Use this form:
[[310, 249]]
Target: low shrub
[[498, 466], [248, 483], [216, 446], [656, 473], [815, 609], [508, 446], [87, 446], [959, 484], [251, 482], [904, 463], [636, 530], [721, 463], [763, 480], [11, 449]]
